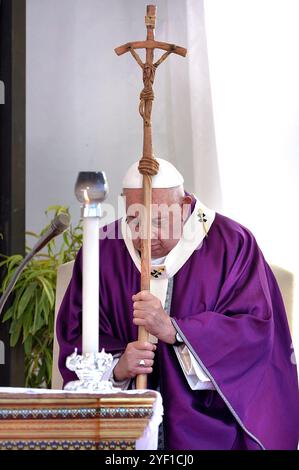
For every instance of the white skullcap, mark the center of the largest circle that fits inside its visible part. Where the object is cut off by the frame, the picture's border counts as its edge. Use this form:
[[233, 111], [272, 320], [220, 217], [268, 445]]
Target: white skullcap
[[167, 177]]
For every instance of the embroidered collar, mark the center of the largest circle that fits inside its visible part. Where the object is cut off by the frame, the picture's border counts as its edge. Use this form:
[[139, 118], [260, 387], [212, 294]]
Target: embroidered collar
[[195, 229]]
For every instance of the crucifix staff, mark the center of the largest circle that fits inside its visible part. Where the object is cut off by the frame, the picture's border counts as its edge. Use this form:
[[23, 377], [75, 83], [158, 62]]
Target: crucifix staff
[[148, 165]]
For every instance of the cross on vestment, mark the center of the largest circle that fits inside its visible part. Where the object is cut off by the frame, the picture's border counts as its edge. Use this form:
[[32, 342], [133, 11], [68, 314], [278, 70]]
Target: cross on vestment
[[148, 165]]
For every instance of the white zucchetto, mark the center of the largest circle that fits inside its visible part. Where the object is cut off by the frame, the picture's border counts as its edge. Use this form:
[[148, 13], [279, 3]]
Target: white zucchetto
[[167, 177]]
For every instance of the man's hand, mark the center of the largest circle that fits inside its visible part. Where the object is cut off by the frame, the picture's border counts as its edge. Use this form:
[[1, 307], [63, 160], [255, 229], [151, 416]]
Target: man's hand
[[148, 312], [128, 365]]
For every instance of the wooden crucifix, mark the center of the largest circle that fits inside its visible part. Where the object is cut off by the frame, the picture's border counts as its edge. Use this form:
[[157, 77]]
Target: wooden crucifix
[[148, 165]]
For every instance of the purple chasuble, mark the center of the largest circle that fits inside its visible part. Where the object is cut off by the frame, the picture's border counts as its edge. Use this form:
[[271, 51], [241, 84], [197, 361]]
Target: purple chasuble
[[227, 306]]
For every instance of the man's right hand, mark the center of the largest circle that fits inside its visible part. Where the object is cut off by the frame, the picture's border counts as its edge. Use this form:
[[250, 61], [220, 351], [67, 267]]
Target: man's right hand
[[128, 365]]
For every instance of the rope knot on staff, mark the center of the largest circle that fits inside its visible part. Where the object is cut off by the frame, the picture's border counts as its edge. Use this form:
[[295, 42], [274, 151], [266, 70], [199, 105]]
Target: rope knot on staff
[[148, 166]]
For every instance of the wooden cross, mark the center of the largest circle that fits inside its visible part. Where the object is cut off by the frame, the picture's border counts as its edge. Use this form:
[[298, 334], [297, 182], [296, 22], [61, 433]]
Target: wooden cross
[[148, 165]]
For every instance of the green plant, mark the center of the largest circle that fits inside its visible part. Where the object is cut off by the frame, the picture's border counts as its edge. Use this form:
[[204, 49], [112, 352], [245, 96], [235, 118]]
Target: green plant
[[31, 313]]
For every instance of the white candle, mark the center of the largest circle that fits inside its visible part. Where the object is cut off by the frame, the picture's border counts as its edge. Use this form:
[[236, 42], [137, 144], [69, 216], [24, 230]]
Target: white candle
[[90, 300]]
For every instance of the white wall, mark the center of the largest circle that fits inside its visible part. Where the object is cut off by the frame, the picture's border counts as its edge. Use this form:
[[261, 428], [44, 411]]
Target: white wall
[[254, 70], [82, 99]]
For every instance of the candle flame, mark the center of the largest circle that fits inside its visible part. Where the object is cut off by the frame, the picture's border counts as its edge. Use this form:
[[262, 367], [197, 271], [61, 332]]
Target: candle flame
[[85, 194]]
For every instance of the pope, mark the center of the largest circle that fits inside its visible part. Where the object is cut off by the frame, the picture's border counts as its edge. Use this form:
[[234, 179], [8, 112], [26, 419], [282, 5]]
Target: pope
[[219, 347]]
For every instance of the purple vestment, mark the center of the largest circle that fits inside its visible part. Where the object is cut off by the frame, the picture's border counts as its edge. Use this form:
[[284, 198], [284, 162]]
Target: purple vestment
[[227, 307]]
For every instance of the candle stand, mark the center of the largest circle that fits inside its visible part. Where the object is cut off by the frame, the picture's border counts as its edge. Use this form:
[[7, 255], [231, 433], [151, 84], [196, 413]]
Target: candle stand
[[92, 366]]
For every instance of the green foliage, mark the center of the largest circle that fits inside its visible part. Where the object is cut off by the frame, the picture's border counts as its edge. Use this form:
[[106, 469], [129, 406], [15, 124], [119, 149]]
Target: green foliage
[[31, 313]]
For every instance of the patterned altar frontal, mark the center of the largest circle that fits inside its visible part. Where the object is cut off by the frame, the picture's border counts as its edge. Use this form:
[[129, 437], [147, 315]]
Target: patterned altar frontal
[[73, 421]]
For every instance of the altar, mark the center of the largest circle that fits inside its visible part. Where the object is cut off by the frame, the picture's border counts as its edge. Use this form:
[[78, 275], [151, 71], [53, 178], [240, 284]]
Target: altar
[[41, 419]]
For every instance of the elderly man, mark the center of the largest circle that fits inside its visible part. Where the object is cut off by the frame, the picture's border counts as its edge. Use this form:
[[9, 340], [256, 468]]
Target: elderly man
[[223, 357]]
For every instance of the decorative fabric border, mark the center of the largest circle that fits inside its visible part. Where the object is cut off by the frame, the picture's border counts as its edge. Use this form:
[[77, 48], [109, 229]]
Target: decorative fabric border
[[67, 445], [74, 413]]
